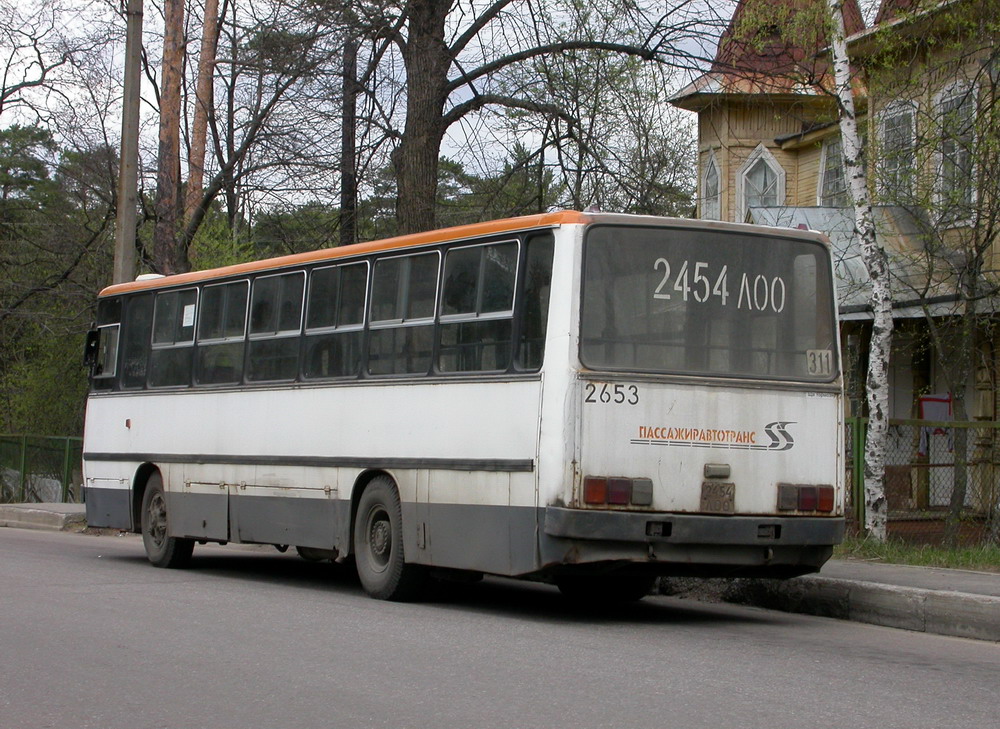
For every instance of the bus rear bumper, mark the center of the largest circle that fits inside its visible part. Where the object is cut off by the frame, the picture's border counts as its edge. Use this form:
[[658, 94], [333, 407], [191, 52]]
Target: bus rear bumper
[[693, 529], [678, 544]]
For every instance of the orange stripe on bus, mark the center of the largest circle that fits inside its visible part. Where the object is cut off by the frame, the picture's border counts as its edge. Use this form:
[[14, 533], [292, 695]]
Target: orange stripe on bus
[[444, 235]]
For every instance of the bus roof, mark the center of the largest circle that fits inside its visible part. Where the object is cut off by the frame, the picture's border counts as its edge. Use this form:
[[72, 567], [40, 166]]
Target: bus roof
[[444, 235]]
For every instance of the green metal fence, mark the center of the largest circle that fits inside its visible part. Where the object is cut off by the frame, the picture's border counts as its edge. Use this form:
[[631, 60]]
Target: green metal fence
[[40, 469], [935, 471]]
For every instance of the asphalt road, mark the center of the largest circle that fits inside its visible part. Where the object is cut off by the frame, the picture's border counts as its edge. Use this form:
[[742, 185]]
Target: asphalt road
[[92, 636]]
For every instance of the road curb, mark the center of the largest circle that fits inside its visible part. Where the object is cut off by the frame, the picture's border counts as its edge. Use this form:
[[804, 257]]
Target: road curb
[[23, 516], [941, 612]]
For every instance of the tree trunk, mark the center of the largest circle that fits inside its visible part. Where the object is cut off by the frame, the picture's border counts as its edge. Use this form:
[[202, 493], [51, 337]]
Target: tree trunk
[[427, 59], [876, 262], [203, 101], [169, 253], [348, 146]]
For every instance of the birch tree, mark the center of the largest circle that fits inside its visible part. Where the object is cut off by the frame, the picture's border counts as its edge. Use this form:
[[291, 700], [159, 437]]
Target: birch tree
[[877, 264]]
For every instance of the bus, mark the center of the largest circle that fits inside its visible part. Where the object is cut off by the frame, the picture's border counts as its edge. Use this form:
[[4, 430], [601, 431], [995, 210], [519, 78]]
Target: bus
[[586, 399]]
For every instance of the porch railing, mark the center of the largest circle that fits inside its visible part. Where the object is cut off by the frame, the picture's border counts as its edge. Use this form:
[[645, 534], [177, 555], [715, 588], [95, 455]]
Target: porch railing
[[935, 471]]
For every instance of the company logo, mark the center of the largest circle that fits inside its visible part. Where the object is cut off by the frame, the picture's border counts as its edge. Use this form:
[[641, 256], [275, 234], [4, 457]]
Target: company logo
[[776, 434], [781, 439]]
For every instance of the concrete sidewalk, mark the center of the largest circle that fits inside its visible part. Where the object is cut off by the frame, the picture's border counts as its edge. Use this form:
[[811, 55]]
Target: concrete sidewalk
[[56, 517], [947, 602], [960, 603]]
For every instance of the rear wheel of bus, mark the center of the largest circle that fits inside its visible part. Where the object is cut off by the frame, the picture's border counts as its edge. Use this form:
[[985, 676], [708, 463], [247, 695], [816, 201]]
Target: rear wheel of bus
[[161, 549], [378, 545]]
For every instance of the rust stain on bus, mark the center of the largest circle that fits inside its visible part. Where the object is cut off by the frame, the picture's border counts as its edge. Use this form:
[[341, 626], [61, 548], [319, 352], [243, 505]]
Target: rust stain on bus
[[474, 230]]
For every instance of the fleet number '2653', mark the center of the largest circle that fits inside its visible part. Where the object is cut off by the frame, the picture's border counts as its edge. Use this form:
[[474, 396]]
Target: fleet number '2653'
[[607, 393]]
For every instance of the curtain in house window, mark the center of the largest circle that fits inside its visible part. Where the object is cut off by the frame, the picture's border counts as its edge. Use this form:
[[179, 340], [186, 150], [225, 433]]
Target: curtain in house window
[[956, 113], [711, 208], [834, 185], [760, 185]]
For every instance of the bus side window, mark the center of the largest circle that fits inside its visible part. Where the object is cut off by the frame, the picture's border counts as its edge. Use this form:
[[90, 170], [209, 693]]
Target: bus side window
[[135, 340], [401, 336], [104, 358], [275, 323], [173, 338], [334, 321], [536, 280], [477, 308], [221, 329]]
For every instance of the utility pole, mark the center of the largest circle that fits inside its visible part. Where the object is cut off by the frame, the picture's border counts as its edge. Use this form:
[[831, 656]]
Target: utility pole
[[128, 175]]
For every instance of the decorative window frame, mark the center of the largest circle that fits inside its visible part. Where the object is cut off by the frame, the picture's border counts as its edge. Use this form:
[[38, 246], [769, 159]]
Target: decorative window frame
[[969, 91], [831, 142], [760, 153], [892, 110], [711, 205]]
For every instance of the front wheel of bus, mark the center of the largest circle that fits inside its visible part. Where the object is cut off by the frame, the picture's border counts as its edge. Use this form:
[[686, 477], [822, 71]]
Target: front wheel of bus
[[378, 545], [161, 549]]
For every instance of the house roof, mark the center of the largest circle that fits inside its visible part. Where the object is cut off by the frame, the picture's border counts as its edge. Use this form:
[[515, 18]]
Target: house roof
[[773, 45], [893, 9], [763, 51]]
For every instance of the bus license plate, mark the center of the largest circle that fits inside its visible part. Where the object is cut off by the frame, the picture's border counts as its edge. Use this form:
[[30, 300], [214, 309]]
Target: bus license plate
[[718, 498]]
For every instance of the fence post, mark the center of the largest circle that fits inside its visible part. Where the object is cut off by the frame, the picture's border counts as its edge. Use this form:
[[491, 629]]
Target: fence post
[[66, 473], [23, 469], [859, 471]]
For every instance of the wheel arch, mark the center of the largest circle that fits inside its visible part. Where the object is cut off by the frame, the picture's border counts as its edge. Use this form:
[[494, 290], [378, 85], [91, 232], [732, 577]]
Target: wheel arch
[[139, 482]]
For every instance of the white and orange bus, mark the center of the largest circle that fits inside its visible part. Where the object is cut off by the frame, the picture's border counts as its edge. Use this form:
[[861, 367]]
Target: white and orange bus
[[586, 399]]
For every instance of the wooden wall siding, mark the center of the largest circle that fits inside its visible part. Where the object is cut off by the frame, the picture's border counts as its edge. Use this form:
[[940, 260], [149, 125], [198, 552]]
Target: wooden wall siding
[[807, 190], [733, 129]]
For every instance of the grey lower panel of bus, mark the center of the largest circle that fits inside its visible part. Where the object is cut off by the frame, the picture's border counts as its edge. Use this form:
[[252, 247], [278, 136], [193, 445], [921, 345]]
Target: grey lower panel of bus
[[506, 540], [317, 523], [108, 508], [499, 540]]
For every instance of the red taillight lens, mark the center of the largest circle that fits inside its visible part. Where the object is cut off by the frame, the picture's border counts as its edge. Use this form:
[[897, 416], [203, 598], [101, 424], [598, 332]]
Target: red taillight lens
[[807, 498], [595, 490], [619, 491], [824, 497]]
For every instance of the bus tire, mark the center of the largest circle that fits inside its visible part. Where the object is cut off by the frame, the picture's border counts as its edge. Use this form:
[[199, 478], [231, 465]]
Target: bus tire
[[378, 545], [605, 589], [162, 550]]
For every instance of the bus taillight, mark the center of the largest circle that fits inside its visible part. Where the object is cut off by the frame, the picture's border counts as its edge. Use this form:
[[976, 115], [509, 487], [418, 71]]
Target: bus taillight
[[797, 497], [617, 491]]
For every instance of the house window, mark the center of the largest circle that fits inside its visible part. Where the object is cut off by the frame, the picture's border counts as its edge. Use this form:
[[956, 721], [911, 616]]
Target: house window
[[956, 115], [762, 181], [833, 184], [711, 192], [896, 167]]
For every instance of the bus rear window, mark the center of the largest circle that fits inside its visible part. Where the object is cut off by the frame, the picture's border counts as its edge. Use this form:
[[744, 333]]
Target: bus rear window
[[705, 302]]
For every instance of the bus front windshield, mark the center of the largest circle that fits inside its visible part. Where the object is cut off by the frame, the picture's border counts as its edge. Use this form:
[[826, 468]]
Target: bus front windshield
[[707, 302]]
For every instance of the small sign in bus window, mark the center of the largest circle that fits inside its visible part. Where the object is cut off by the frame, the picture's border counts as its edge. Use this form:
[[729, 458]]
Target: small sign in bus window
[[819, 362]]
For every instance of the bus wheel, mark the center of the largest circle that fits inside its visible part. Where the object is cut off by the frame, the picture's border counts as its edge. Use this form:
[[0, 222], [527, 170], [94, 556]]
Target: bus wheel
[[162, 550], [606, 589], [378, 545]]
